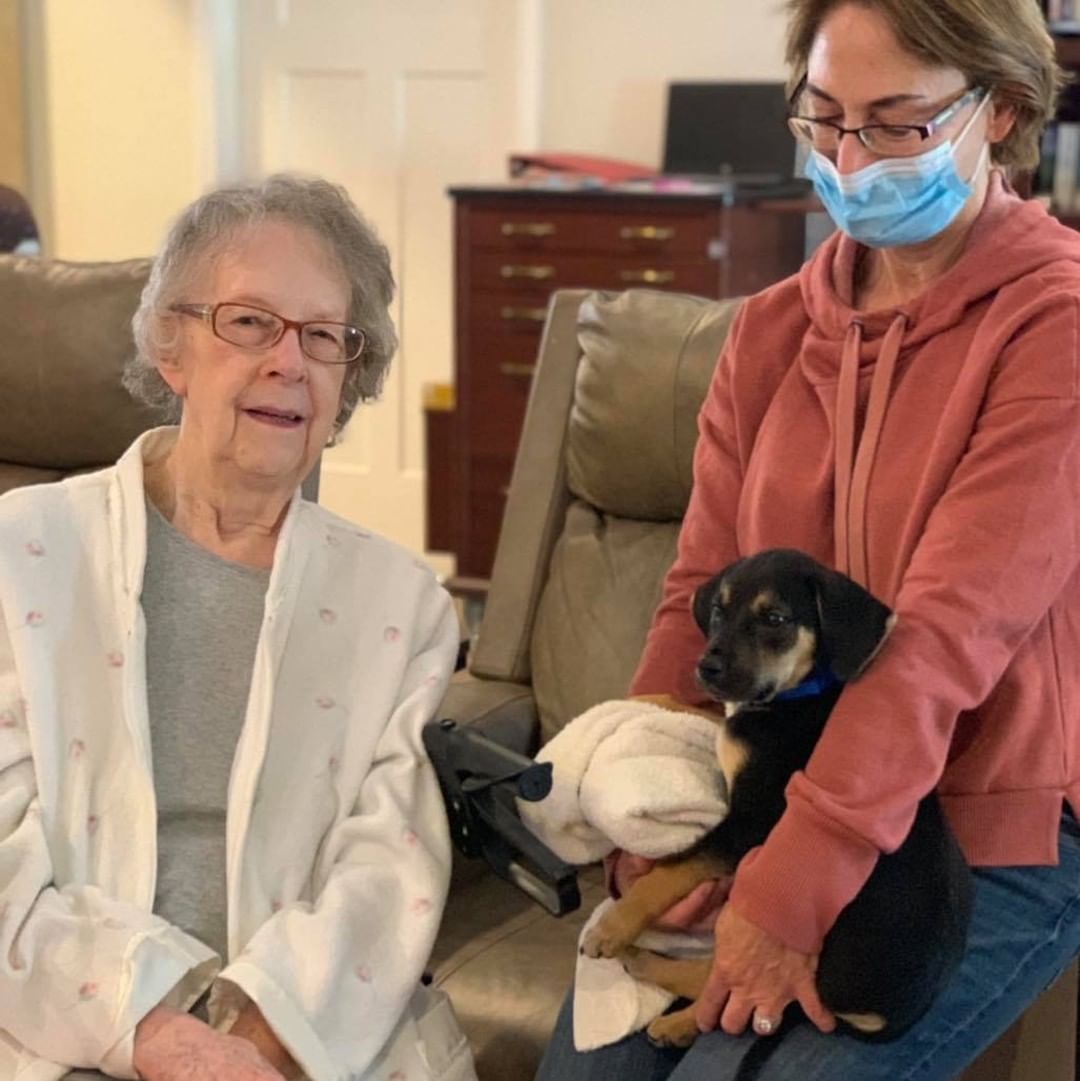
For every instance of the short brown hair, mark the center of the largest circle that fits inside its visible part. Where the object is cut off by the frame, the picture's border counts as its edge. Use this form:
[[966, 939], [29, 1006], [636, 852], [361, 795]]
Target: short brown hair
[[1002, 45]]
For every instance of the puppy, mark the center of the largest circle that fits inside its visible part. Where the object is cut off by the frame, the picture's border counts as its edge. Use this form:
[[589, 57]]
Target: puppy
[[783, 633]]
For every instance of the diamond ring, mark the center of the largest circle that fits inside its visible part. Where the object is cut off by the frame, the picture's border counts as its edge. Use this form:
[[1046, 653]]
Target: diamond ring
[[763, 1026]]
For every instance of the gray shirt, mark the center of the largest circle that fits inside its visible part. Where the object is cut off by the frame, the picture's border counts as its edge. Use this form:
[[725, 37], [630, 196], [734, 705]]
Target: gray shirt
[[203, 616]]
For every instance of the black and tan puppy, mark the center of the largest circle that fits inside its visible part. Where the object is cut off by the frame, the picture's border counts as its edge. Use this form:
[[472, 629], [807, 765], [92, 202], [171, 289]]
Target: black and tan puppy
[[783, 635]]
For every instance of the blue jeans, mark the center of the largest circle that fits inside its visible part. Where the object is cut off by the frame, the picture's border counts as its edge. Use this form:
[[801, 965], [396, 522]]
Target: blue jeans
[[1025, 930]]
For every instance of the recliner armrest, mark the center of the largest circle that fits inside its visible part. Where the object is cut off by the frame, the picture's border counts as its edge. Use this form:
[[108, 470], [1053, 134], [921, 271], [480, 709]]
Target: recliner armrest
[[504, 712], [480, 781]]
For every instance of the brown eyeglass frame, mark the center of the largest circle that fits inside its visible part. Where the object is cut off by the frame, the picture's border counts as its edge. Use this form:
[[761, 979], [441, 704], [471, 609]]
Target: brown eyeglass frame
[[208, 314]]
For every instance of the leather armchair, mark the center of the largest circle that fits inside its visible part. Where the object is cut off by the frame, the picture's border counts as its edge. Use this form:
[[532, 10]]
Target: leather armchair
[[66, 333], [601, 480]]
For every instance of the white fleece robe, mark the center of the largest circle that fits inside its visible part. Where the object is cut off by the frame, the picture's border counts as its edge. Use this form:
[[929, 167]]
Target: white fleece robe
[[338, 856]]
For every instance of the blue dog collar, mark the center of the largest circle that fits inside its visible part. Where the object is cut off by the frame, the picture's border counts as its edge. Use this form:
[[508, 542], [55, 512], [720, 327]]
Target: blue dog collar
[[819, 681]]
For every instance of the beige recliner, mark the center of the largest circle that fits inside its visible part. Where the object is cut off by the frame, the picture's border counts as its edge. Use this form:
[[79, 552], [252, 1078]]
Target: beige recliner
[[601, 481], [65, 333]]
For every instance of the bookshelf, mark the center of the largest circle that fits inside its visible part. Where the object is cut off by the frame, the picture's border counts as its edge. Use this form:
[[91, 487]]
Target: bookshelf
[[1057, 178], [1062, 16]]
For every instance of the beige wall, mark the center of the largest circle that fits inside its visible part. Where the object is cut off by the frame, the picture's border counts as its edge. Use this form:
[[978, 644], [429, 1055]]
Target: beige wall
[[122, 123], [124, 92], [121, 109], [12, 137], [606, 63]]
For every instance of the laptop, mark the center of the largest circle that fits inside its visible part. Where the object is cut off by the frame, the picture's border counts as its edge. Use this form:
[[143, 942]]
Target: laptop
[[730, 132]]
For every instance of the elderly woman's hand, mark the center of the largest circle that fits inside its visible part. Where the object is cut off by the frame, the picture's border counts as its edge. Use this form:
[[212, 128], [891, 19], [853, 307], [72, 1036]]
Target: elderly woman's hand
[[171, 1045], [753, 974]]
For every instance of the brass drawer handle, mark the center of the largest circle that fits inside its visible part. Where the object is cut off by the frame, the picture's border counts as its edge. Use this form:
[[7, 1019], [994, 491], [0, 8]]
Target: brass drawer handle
[[528, 228], [652, 277], [646, 232], [532, 315], [536, 273], [518, 371]]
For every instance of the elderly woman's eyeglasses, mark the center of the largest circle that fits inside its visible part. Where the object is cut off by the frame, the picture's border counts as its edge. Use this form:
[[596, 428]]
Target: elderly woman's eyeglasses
[[258, 329], [888, 140]]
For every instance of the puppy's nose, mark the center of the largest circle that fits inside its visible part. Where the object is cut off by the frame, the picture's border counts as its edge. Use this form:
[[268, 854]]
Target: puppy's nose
[[712, 667]]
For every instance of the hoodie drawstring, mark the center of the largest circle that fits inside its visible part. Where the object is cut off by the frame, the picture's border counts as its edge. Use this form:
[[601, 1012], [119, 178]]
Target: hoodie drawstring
[[853, 469]]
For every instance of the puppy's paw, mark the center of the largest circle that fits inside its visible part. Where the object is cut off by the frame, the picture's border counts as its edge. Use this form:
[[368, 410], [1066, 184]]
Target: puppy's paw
[[609, 936], [674, 1029]]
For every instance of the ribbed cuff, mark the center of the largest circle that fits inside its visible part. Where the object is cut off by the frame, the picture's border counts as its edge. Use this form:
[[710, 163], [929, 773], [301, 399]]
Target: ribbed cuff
[[797, 883]]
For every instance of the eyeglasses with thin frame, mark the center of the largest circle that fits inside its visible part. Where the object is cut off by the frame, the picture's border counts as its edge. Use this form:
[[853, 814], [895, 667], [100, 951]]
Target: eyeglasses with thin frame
[[888, 140], [259, 329]]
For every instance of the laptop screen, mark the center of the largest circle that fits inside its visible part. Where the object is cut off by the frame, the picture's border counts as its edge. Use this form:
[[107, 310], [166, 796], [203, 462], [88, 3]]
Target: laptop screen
[[733, 129]]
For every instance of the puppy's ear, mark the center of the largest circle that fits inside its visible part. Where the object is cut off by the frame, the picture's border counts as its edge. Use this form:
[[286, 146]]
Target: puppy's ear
[[702, 602], [854, 623]]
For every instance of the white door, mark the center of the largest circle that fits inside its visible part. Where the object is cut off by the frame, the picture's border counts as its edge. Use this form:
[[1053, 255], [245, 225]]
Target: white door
[[396, 100]]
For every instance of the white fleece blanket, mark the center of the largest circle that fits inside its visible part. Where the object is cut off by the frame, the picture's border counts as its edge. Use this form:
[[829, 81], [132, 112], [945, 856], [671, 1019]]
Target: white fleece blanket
[[629, 775], [634, 776]]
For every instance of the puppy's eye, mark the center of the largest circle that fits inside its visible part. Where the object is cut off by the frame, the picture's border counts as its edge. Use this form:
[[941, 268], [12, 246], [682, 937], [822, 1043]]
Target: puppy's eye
[[773, 618], [716, 616]]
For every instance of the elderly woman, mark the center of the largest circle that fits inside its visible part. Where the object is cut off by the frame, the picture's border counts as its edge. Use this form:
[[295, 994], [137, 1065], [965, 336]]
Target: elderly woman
[[212, 785], [907, 410]]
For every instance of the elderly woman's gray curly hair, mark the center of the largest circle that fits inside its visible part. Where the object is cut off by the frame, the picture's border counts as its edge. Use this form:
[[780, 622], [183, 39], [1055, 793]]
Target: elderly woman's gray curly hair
[[207, 227]]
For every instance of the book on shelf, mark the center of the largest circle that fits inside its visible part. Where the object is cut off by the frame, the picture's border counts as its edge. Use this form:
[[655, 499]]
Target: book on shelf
[[1057, 177], [1062, 16]]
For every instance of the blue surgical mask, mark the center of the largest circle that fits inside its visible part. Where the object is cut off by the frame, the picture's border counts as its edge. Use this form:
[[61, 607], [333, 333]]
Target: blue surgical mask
[[896, 201]]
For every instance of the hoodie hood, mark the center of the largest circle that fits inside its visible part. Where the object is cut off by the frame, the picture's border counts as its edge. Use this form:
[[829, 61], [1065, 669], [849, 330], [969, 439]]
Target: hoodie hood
[[844, 349]]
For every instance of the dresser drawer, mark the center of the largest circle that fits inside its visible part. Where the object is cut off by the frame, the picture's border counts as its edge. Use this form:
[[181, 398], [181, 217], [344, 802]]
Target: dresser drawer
[[489, 485], [507, 324], [650, 232], [515, 273], [495, 349], [490, 473], [493, 405]]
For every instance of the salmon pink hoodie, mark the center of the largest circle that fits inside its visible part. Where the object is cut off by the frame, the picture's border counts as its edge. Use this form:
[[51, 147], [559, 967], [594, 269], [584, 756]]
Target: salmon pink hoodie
[[932, 452]]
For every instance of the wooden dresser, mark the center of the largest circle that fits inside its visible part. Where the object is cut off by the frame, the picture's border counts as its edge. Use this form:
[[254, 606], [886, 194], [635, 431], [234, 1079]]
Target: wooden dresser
[[513, 247]]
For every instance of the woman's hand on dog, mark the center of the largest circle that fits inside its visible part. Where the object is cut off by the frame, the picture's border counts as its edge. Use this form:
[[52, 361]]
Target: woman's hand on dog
[[752, 971]]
